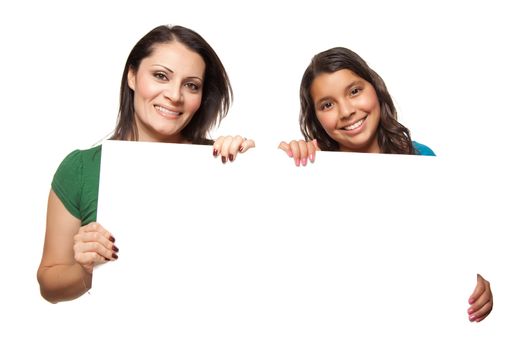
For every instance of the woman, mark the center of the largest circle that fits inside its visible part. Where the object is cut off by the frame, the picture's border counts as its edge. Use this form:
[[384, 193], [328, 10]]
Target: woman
[[174, 89]]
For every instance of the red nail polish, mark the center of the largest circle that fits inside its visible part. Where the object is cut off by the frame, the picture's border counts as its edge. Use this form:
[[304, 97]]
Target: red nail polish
[[115, 249], [114, 256], [241, 148], [215, 152], [112, 239], [230, 157], [223, 159]]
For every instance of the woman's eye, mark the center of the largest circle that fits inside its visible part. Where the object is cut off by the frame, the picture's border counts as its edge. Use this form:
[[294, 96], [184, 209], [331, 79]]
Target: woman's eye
[[160, 76], [193, 87]]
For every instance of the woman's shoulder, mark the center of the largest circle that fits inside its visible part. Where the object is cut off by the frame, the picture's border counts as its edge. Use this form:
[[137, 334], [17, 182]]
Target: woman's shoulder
[[77, 159], [422, 149], [87, 154], [78, 172]]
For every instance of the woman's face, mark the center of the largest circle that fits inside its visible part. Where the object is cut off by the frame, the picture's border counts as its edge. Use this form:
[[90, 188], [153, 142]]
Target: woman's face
[[168, 91], [348, 109]]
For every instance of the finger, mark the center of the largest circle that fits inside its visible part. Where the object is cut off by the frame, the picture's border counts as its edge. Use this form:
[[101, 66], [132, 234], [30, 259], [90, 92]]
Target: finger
[[96, 227], [481, 301], [479, 304], [225, 147], [217, 145], [480, 288], [296, 152], [246, 145], [95, 237], [235, 145], [88, 254], [90, 259], [481, 313], [311, 150], [303, 148], [81, 248], [96, 233]]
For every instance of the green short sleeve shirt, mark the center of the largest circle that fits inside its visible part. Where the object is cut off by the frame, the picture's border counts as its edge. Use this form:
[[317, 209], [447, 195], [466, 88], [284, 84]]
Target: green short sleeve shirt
[[76, 183]]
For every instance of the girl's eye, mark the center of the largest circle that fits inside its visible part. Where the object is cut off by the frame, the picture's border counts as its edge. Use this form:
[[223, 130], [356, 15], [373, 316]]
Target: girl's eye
[[326, 105], [160, 76], [355, 91]]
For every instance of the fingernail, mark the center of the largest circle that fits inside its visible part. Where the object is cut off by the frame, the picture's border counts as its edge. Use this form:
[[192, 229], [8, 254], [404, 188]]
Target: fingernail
[[290, 154], [297, 162], [112, 239], [215, 152], [115, 249], [223, 159], [230, 157], [304, 161], [115, 256], [471, 300], [106, 259], [312, 158], [472, 318], [470, 311]]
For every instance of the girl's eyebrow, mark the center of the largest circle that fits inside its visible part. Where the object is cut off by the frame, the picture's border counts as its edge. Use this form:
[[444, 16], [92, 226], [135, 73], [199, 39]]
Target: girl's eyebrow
[[353, 83], [323, 99]]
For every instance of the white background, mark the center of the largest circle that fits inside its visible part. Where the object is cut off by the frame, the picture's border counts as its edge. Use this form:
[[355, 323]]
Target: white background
[[454, 69]]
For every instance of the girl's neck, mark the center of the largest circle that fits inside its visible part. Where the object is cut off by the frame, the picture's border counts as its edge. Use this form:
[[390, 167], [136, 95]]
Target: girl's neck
[[372, 147]]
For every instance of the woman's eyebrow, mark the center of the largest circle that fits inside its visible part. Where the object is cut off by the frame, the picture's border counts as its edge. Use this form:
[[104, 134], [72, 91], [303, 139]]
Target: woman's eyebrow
[[166, 68]]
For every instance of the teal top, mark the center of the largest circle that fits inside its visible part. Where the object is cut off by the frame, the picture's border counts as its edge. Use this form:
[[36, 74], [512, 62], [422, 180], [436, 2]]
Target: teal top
[[422, 150], [76, 183]]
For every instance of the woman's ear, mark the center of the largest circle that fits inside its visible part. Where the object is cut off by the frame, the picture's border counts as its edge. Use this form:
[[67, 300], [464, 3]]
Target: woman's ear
[[131, 79]]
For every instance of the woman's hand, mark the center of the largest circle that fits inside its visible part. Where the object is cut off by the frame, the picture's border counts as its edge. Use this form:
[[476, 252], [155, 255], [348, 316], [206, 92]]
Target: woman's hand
[[93, 245], [228, 147], [480, 301], [301, 151]]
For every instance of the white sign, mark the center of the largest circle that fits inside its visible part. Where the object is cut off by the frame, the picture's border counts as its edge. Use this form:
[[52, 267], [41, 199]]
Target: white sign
[[356, 249]]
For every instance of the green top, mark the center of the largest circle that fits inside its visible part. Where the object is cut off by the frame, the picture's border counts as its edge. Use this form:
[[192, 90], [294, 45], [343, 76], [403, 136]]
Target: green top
[[76, 183]]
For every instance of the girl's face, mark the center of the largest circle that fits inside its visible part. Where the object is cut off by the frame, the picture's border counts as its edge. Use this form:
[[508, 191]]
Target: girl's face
[[348, 109], [168, 91]]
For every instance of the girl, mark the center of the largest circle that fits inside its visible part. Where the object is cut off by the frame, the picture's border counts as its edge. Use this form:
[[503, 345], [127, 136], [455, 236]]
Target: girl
[[345, 106]]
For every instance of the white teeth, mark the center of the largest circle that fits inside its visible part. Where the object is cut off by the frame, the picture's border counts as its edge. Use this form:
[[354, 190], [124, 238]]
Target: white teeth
[[355, 125], [167, 111]]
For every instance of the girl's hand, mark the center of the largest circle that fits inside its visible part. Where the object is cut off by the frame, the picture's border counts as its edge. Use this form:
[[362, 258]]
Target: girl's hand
[[480, 301], [93, 245], [228, 147], [301, 151]]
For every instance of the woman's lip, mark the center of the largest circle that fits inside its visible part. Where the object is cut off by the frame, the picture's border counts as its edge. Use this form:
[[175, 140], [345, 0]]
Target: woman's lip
[[166, 112]]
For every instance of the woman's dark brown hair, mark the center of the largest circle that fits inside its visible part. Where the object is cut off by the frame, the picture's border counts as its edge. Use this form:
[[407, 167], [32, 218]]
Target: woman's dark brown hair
[[392, 136], [216, 96]]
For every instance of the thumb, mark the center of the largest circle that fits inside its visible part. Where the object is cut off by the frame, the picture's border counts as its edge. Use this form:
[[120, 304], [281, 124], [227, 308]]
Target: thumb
[[316, 145], [480, 288], [286, 148]]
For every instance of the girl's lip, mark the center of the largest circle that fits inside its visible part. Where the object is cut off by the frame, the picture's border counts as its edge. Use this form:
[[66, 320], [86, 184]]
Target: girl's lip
[[357, 129]]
